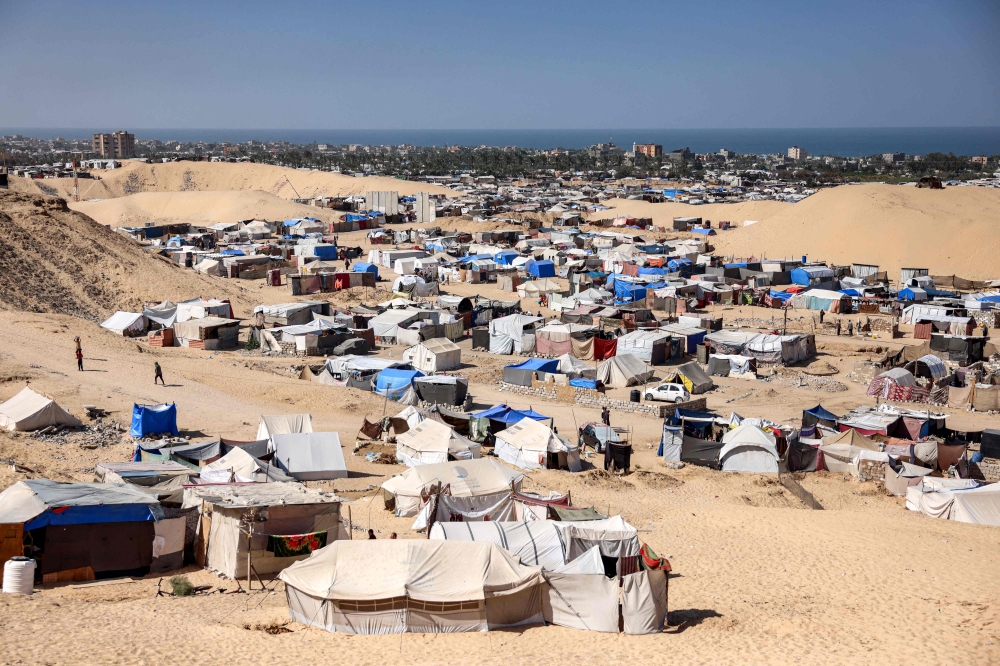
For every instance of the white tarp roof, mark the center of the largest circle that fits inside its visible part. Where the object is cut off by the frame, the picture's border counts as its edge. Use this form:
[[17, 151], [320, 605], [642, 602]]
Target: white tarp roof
[[124, 321], [164, 314], [750, 449], [281, 424], [310, 456], [528, 442], [29, 410], [467, 478], [536, 542], [421, 569]]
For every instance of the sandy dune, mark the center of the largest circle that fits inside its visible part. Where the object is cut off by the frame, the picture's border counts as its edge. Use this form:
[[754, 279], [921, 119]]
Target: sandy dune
[[198, 208], [951, 232], [135, 177]]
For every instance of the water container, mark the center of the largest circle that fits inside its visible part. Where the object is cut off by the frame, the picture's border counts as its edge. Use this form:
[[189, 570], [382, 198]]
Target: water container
[[634, 395], [18, 575]]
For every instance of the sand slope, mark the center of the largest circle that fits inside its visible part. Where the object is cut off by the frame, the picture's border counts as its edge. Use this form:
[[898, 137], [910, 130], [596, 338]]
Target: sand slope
[[135, 177], [53, 259], [198, 207], [951, 231]]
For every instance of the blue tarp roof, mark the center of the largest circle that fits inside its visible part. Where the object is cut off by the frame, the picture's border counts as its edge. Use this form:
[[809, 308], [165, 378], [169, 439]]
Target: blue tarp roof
[[626, 292], [704, 232], [507, 414], [153, 420], [473, 257], [677, 264], [538, 364], [88, 515], [506, 256], [233, 253], [394, 382], [820, 413], [364, 267], [542, 269], [780, 294]]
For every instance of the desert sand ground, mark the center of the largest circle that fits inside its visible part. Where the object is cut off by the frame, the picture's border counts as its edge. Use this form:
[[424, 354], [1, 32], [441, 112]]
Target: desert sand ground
[[759, 577]]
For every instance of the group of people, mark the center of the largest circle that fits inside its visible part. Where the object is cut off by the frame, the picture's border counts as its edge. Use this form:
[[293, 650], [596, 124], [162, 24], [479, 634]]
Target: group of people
[[371, 534], [157, 370]]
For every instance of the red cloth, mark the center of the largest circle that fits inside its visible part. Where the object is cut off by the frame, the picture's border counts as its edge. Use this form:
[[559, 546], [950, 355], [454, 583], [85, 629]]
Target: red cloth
[[604, 349]]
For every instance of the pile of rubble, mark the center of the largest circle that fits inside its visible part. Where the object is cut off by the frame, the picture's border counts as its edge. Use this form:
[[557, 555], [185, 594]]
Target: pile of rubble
[[95, 435]]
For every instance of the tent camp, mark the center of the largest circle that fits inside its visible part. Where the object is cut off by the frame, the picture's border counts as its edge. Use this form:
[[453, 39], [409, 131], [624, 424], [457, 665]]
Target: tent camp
[[279, 514], [29, 410], [283, 424], [436, 355], [749, 449], [530, 444], [126, 323], [624, 370], [310, 456], [841, 452], [430, 442], [466, 478], [149, 420], [83, 531], [413, 586], [695, 379]]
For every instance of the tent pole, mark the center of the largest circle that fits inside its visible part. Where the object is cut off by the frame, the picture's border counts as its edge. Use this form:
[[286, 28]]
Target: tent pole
[[350, 524], [249, 547]]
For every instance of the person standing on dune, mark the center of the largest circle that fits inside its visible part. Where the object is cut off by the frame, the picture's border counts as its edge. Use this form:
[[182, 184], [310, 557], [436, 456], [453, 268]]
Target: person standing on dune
[[158, 373]]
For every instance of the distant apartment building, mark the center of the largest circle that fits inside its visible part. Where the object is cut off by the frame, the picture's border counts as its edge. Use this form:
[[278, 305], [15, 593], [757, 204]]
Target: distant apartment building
[[797, 153], [647, 149], [980, 159], [893, 158], [680, 155], [119, 145], [727, 154]]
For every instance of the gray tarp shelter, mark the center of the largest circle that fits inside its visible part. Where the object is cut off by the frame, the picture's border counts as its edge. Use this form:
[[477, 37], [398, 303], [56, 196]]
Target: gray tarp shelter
[[312, 456]]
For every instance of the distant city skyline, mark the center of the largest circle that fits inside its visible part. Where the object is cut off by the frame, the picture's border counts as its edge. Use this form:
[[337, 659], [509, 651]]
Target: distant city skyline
[[463, 66]]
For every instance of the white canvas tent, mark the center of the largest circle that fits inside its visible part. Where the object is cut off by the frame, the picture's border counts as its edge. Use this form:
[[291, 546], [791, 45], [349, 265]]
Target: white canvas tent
[[507, 334], [283, 424], [573, 367], [238, 466], [413, 586], [956, 499], [749, 449], [528, 444], [466, 478], [436, 355], [125, 323], [623, 370], [311, 456], [29, 410], [430, 442]]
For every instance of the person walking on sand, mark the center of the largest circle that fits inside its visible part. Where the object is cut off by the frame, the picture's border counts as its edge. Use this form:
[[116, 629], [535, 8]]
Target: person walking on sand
[[158, 373], [850, 328], [838, 328], [606, 416], [79, 359]]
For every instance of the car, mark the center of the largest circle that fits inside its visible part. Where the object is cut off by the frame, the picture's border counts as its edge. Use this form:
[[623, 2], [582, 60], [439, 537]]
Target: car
[[668, 393]]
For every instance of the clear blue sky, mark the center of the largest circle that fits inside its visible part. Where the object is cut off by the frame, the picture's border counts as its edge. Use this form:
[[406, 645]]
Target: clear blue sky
[[499, 65]]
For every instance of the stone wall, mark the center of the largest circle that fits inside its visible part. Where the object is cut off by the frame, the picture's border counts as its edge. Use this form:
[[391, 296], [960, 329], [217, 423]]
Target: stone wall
[[988, 469], [598, 400]]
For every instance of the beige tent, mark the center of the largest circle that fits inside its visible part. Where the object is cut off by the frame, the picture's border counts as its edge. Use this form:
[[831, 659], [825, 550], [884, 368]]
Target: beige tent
[[434, 355], [413, 586], [530, 444], [624, 370], [29, 410], [284, 509], [432, 442], [840, 452], [283, 424], [466, 478], [536, 288]]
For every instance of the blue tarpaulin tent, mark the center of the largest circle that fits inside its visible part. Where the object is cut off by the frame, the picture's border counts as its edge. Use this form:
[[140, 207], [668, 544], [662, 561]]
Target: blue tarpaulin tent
[[506, 414], [150, 420], [506, 257], [233, 253], [784, 296], [818, 415], [394, 382], [677, 264], [584, 383], [542, 269], [522, 373], [325, 252], [365, 267], [653, 271], [626, 292]]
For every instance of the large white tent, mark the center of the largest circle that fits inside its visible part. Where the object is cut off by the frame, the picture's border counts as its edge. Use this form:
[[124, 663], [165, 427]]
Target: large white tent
[[125, 323], [413, 586], [749, 449], [528, 443], [465, 478], [310, 456], [29, 410], [434, 355], [283, 424], [507, 334], [956, 499], [623, 370], [431, 442]]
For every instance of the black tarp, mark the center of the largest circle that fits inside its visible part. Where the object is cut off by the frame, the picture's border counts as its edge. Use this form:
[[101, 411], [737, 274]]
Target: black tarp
[[110, 549], [802, 457], [704, 452], [990, 444], [718, 367], [442, 390], [619, 454], [481, 338]]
